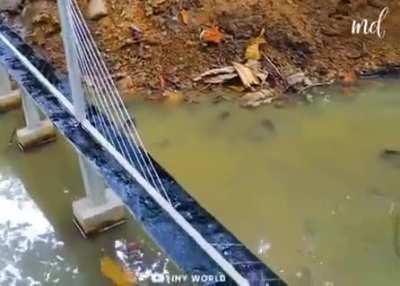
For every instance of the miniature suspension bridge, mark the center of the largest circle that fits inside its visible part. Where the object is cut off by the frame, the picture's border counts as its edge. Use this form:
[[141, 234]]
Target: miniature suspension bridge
[[118, 172]]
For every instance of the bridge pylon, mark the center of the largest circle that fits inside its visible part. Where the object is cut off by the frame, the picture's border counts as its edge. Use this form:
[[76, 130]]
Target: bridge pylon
[[37, 131], [101, 208]]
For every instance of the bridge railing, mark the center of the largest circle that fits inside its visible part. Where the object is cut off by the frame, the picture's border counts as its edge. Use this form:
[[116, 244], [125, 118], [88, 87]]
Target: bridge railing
[[97, 105]]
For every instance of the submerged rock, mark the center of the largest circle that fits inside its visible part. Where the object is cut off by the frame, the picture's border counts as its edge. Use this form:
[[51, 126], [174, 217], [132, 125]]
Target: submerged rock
[[268, 125], [391, 156], [224, 115]]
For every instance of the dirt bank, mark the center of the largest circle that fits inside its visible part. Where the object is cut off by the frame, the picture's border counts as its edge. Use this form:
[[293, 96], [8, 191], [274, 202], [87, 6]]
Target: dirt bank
[[158, 45]]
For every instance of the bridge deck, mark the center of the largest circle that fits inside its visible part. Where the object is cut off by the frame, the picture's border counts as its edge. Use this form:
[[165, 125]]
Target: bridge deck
[[169, 236]]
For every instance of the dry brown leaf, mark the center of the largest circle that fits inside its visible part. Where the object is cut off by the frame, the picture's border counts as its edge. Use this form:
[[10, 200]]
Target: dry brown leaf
[[246, 75], [212, 35], [217, 71], [184, 16]]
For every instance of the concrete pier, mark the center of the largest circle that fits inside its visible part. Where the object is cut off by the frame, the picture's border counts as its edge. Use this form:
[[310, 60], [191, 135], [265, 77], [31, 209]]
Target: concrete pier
[[101, 208], [37, 131], [9, 98]]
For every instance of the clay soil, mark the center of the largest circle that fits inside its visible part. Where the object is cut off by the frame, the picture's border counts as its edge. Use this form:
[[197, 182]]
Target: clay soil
[[155, 45]]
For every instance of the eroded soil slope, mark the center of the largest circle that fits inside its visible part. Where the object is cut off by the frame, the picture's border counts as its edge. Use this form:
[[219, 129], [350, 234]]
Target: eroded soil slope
[[156, 44]]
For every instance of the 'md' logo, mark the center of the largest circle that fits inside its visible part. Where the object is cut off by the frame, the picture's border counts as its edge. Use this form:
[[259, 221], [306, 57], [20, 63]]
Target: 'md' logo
[[366, 27]]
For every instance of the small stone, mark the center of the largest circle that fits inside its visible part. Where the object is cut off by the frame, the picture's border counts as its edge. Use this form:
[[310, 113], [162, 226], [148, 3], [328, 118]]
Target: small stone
[[97, 9], [10, 5]]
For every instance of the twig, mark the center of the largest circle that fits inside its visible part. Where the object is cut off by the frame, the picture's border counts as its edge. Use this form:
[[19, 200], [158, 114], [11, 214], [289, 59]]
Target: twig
[[275, 68], [315, 85]]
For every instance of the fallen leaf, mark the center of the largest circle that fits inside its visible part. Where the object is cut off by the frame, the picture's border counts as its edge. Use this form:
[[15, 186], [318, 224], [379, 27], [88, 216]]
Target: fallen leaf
[[116, 273], [220, 78], [217, 71], [212, 35], [184, 16], [253, 48], [257, 70], [246, 75]]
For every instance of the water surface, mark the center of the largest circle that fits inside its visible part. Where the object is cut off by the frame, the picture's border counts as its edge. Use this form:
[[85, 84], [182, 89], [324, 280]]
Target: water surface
[[38, 242], [304, 187]]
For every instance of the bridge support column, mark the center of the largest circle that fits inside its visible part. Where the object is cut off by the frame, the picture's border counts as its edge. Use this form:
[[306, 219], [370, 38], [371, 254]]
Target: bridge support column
[[37, 131], [9, 99], [101, 208]]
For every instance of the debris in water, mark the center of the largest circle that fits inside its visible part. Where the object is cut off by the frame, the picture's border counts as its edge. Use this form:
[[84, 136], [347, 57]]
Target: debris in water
[[304, 277], [255, 99], [268, 125], [392, 156], [116, 273], [263, 247], [224, 115]]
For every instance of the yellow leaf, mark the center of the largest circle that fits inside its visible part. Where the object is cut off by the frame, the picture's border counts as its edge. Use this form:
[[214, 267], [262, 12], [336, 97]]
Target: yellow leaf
[[116, 273], [253, 48], [185, 16]]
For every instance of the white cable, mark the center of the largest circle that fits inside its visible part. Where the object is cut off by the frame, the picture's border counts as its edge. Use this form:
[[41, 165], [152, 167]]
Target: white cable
[[102, 97], [100, 104], [113, 89]]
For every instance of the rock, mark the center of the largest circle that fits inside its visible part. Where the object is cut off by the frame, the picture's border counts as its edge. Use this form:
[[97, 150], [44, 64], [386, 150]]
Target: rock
[[10, 5], [125, 86], [298, 79], [97, 9]]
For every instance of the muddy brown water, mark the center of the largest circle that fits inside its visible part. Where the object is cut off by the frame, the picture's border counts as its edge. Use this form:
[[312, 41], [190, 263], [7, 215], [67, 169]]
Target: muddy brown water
[[38, 242], [306, 188]]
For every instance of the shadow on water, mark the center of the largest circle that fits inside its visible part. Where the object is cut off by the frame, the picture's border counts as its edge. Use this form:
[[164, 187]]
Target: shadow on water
[[396, 232]]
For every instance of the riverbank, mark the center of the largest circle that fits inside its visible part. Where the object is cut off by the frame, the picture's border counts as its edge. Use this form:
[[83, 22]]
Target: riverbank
[[157, 48]]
